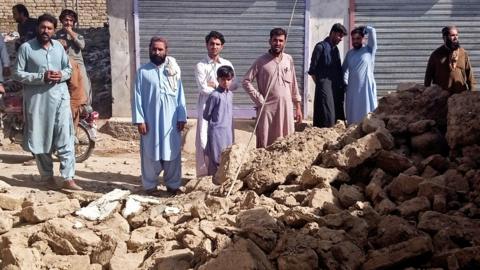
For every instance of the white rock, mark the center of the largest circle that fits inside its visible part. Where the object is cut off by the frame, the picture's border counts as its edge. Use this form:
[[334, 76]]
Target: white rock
[[104, 206]]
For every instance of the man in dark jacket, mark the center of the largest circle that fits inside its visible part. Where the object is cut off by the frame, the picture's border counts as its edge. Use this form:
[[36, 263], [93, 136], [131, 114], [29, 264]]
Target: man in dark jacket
[[326, 72]]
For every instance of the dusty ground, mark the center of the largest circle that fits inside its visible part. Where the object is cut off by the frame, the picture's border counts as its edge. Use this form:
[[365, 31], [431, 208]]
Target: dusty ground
[[114, 164]]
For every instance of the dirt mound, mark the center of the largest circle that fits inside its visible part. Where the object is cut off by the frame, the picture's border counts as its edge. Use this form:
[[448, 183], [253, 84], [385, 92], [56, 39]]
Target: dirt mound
[[401, 190]]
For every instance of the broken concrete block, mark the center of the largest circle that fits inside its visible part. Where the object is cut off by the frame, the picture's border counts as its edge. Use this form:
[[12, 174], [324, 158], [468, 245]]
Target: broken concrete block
[[21, 257], [61, 230], [353, 154], [243, 254], [414, 206], [404, 187], [303, 259], [6, 222], [392, 162], [73, 262], [12, 200], [316, 175], [44, 212], [177, 259], [349, 195], [371, 123], [142, 238], [260, 227], [391, 256]]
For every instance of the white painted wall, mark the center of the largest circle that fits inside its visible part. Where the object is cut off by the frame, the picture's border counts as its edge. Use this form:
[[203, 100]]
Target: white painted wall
[[122, 54]]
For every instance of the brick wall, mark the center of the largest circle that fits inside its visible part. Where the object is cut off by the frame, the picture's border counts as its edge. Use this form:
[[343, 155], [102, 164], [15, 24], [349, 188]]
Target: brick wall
[[91, 13]]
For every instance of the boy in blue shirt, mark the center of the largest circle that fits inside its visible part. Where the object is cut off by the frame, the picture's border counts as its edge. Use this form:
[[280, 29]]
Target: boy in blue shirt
[[218, 113]]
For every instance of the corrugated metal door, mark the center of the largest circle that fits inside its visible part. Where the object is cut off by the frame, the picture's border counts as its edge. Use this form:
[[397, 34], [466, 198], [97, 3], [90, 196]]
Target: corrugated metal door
[[409, 30], [245, 24]]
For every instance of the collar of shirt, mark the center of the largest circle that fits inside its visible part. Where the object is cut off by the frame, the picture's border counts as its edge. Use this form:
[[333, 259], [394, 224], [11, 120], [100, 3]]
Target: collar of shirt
[[208, 60]]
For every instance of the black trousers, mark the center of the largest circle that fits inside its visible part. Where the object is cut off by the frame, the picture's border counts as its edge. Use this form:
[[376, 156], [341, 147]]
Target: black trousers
[[328, 104]]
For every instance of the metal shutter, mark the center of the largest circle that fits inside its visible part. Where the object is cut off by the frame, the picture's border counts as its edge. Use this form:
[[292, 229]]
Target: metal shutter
[[409, 30], [245, 24]]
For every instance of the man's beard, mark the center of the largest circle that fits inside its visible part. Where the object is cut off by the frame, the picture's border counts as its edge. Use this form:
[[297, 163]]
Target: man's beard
[[452, 45], [357, 46], [43, 38], [276, 51], [157, 59]]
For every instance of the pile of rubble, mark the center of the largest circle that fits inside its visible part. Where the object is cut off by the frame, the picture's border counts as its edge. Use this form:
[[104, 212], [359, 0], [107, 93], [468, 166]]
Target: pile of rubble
[[401, 190]]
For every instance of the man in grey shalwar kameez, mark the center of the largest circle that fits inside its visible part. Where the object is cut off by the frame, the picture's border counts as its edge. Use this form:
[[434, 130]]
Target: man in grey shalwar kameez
[[43, 67]]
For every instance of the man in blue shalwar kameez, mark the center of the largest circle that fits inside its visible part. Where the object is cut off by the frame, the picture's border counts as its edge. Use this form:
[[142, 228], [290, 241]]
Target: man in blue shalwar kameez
[[43, 67], [361, 94], [159, 111]]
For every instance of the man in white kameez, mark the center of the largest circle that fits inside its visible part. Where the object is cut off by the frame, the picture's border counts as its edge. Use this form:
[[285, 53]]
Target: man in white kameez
[[159, 111], [43, 67], [206, 78]]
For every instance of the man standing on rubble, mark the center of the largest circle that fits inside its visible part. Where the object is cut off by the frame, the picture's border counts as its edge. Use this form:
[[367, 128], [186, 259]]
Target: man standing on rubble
[[274, 71], [449, 66], [326, 72], [160, 114]]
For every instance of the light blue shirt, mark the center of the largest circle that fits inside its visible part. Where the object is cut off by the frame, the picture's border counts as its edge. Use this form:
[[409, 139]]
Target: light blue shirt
[[358, 66], [41, 101], [159, 101]]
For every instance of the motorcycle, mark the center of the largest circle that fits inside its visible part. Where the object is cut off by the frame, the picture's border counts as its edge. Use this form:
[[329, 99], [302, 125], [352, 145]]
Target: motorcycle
[[11, 115]]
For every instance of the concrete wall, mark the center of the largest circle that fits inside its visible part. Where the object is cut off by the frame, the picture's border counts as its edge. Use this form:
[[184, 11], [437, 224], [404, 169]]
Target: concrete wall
[[323, 14], [91, 13], [122, 54]]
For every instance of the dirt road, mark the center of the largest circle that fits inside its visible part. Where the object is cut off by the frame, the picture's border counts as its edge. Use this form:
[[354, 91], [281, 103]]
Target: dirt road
[[114, 164]]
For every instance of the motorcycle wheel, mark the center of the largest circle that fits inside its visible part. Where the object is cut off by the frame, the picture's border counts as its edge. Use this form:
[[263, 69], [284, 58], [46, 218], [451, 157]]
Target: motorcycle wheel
[[83, 145]]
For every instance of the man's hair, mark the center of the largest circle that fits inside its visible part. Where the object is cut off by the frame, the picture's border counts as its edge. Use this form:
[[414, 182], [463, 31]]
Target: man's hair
[[158, 39], [278, 32], [49, 18], [216, 35], [21, 9], [68, 12], [358, 30], [225, 72], [446, 30], [338, 28]]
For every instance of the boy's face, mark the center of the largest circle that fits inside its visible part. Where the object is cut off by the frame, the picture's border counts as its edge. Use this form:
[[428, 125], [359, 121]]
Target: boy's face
[[225, 82]]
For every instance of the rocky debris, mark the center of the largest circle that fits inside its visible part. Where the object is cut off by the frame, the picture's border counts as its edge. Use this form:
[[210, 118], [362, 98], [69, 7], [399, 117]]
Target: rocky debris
[[44, 212], [463, 126], [243, 254], [383, 194], [322, 177], [285, 159], [396, 254]]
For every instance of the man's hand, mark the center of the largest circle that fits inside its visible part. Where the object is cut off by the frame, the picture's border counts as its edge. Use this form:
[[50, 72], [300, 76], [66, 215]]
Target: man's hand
[[6, 72], [2, 89], [298, 113], [180, 125], [52, 76], [142, 128], [70, 32]]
